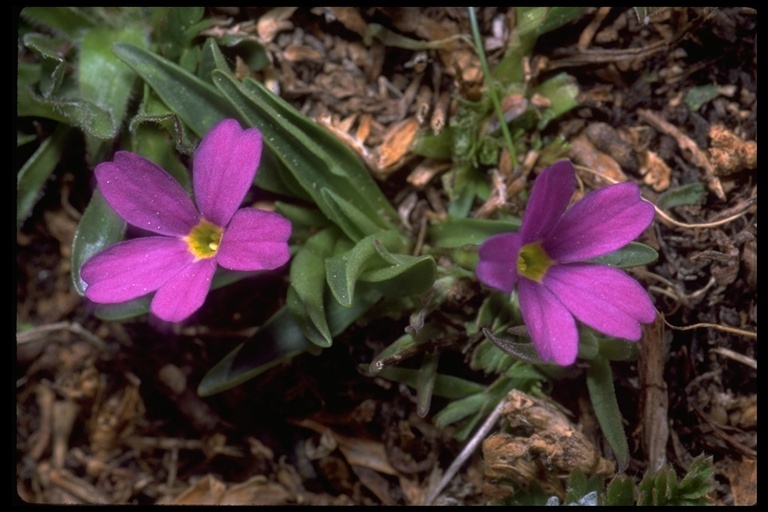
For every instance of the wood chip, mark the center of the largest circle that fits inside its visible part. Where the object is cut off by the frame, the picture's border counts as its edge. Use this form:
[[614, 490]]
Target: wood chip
[[654, 398]]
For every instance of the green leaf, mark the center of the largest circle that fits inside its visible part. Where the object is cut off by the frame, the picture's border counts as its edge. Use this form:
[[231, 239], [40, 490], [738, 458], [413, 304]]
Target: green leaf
[[337, 167], [631, 255], [562, 92], [697, 97], [33, 175], [405, 276], [603, 397], [67, 20], [251, 51], [22, 139], [399, 350], [461, 409], [693, 193], [105, 80], [425, 382], [92, 119], [345, 269], [417, 338], [532, 22], [620, 491], [698, 483], [522, 351], [178, 28], [99, 228], [349, 218], [583, 490], [307, 276], [154, 142], [279, 339], [615, 349], [498, 311], [457, 232], [540, 20], [300, 216], [431, 145], [124, 310], [197, 103], [488, 358], [446, 386], [28, 74], [52, 64]]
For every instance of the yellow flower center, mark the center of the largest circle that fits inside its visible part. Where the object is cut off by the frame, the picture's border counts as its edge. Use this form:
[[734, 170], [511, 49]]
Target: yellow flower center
[[204, 239], [533, 262]]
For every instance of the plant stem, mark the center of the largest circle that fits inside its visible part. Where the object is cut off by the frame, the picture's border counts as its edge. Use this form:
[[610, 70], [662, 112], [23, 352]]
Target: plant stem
[[491, 88]]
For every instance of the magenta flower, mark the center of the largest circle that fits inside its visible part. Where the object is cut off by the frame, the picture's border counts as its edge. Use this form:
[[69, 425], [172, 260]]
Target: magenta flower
[[546, 260], [179, 264]]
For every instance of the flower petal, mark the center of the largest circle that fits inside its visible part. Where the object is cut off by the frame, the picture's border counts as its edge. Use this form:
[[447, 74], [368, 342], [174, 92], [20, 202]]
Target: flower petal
[[145, 195], [497, 266], [224, 166], [550, 196], [255, 240], [603, 221], [133, 268], [185, 292], [604, 298], [551, 326]]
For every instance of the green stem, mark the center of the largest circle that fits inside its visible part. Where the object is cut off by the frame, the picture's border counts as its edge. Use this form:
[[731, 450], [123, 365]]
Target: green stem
[[491, 89]]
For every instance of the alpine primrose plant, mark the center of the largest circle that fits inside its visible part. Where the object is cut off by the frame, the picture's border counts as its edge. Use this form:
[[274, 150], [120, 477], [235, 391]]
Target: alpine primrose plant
[[179, 264], [546, 259]]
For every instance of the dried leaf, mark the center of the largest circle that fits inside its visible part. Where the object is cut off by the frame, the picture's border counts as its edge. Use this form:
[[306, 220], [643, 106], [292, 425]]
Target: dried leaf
[[608, 140], [743, 478], [397, 141], [654, 170], [297, 53], [256, 491], [350, 18], [584, 153], [690, 150], [423, 173], [358, 452], [274, 21], [207, 491]]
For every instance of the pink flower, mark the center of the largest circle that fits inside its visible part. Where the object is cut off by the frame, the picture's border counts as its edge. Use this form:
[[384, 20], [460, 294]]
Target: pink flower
[[546, 260], [178, 265]]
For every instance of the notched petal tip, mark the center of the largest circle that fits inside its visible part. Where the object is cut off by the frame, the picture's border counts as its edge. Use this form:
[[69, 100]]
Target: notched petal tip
[[224, 167], [550, 324], [550, 197], [255, 240]]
